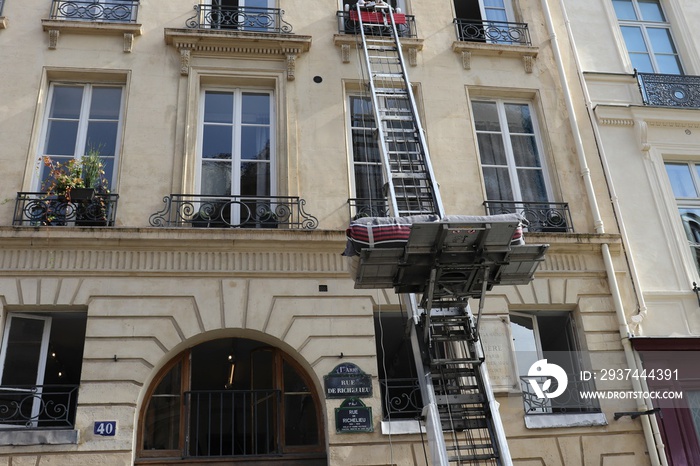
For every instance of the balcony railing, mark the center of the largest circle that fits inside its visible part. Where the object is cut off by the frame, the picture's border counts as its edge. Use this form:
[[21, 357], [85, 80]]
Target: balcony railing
[[493, 32], [670, 90], [570, 401], [552, 217], [241, 18], [203, 211], [232, 422], [348, 24], [401, 398], [40, 209], [38, 406], [360, 208], [121, 11]]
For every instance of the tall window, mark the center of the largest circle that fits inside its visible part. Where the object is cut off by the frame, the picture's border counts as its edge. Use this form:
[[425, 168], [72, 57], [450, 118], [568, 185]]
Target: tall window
[[40, 364], [685, 181], [483, 20], [647, 36], [509, 151], [368, 180], [245, 15], [83, 119]]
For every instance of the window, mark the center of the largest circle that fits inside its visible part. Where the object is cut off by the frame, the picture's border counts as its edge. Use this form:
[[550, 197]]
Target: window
[[550, 336], [367, 176], [233, 398], [484, 20], [237, 147], [96, 10], [244, 15], [647, 35], [40, 364], [83, 119], [509, 149], [685, 182]]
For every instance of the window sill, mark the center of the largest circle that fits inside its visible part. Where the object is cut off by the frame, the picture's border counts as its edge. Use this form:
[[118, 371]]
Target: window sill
[[409, 46], [526, 53], [56, 26], [38, 437], [402, 427], [548, 421]]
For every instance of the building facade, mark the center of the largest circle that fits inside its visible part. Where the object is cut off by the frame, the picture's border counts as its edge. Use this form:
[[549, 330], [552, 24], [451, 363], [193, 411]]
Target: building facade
[[201, 321]]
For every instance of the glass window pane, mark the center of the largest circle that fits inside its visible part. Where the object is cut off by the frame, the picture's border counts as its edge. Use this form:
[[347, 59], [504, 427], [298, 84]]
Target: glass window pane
[[525, 151], [61, 138], [66, 102], [641, 62], [633, 39], [486, 116], [494, 4], [300, 424], [532, 187], [681, 180], [491, 149], [368, 181], [255, 179], [162, 424], [661, 41], [23, 351], [493, 14], [498, 187], [694, 405], [102, 137], [218, 107], [651, 10], [361, 112], [255, 143], [522, 330], [365, 147], [256, 108], [691, 226], [105, 103], [668, 64], [217, 142], [519, 118], [216, 178], [624, 9]]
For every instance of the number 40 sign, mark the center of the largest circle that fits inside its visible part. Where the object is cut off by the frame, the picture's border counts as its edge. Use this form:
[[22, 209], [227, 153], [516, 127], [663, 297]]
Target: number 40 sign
[[106, 428]]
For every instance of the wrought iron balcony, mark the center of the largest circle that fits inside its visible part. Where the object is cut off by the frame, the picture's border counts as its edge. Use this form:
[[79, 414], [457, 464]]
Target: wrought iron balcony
[[348, 24], [492, 32], [118, 11], [232, 422], [240, 18], [40, 209], [38, 406], [570, 401], [670, 90], [360, 208], [203, 211], [552, 217], [401, 398]]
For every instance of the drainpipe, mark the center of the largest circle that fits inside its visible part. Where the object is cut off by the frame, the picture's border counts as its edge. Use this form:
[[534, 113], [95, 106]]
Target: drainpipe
[[653, 447]]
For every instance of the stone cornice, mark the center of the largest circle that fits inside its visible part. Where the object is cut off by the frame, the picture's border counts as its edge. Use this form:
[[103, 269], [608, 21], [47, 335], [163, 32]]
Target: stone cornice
[[616, 121], [346, 41], [526, 53], [198, 41], [57, 26]]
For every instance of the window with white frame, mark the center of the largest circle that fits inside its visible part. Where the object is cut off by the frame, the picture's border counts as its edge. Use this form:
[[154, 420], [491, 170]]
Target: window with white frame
[[82, 119], [509, 148], [484, 20], [685, 182], [40, 365], [367, 175], [647, 35], [244, 15]]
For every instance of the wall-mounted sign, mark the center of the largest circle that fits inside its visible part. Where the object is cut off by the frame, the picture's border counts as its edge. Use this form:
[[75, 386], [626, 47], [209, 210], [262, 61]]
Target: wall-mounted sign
[[497, 342], [347, 380], [105, 428], [353, 416]]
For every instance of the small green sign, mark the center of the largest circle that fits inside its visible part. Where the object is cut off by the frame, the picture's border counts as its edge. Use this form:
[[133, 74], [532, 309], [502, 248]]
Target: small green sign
[[353, 416]]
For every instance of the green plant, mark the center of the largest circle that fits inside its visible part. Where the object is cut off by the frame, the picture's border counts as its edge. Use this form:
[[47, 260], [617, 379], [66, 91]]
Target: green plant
[[93, 171], [64, 177]]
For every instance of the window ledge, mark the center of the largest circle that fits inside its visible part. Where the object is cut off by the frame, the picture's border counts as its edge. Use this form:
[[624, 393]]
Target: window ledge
[[524, 52], [547, 421], [402, 427], [56, 26], [3, 22], [38, 437], [187, 41], [345, 41]]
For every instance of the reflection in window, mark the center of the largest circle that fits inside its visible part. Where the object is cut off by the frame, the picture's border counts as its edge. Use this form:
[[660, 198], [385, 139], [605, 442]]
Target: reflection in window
[[685, 183]]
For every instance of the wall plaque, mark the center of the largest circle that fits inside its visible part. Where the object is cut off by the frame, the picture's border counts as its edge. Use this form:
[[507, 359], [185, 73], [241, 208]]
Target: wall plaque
[[497, 342], [353, 416], [347, 380]]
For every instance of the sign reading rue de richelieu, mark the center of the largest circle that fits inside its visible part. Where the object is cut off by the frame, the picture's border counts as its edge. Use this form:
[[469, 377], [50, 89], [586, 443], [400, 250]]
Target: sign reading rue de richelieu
[[347, 380], [353, 416]]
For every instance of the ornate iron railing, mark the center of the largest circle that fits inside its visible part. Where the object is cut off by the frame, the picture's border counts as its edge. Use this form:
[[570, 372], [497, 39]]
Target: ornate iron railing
[[232, 422], [405, 25], [494, 32], [401, 398], [571, 401], [122, 11], [198, 210], [360, 208], [670, 90], [38, 406], [241, 18], [553, 217], [39, 209]]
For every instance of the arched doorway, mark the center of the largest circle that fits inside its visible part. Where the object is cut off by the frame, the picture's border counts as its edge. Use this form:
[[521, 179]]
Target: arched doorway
[[234, 400]]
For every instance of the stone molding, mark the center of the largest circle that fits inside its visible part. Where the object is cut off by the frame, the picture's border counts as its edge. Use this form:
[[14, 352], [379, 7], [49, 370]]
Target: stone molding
[[55, 27], [409, 46], [616, 121], [526, 53]]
